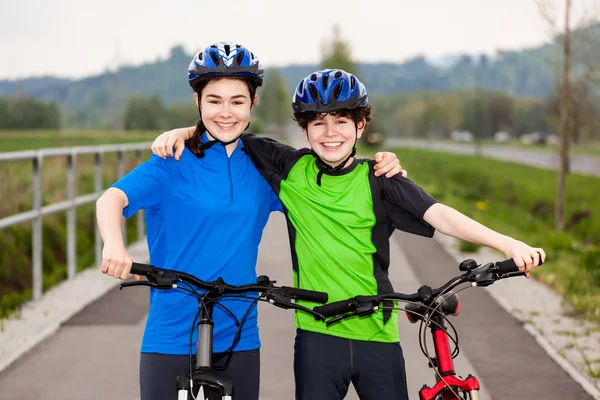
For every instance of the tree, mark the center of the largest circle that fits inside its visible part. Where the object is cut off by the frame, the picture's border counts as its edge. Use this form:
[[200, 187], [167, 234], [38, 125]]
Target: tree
[[336, 54], [499, 112], [144, 113], [577, 65], [529, 115], [19, 112], [274, 109]]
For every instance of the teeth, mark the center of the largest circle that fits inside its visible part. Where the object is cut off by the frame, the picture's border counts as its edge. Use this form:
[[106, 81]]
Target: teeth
[[229, 125], [332, 144]]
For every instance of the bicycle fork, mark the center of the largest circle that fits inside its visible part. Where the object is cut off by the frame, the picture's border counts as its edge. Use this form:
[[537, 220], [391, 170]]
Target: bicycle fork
[[448, 384]]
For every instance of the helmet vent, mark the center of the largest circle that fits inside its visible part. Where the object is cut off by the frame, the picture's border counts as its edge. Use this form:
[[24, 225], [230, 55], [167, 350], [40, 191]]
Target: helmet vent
[[338, 75], [227, 49], [337, 90], [313, 77], [240, 58], [352, 82], [313, 92], [325, 81], [200, 55], [215, 58]]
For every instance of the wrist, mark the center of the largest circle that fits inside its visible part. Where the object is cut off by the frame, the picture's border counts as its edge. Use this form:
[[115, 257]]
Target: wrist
[[508, 246], [114, 241]]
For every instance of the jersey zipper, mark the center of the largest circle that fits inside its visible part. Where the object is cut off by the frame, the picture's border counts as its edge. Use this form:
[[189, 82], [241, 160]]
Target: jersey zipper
[[230, 181]]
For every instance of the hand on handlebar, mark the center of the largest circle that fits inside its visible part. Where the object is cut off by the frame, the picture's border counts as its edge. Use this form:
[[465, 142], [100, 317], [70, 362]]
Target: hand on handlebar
[[525, 257], [117, 262]]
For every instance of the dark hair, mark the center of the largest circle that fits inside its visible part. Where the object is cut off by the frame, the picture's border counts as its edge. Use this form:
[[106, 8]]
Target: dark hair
[[194, 143], [355, 114]]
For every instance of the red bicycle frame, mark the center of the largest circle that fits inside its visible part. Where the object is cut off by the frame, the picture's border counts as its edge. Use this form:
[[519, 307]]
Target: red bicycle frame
[[448, 383]]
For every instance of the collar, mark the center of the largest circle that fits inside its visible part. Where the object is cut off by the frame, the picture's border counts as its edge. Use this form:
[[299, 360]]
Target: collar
[[321, 166], [218, 148]]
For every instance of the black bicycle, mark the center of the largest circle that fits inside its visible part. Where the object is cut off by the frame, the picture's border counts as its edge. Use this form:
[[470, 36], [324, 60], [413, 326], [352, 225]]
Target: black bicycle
[[192, 384], [431, 306]]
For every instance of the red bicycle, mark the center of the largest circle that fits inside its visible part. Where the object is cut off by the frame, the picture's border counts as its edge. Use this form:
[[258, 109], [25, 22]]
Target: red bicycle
[[431, 306]]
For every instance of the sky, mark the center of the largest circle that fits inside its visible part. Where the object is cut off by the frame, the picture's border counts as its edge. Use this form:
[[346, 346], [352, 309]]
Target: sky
[[79, 38]]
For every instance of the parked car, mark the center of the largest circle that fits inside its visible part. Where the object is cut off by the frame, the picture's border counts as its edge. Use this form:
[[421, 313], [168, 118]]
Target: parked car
[[502, 137], [461, 136], [537, 137]]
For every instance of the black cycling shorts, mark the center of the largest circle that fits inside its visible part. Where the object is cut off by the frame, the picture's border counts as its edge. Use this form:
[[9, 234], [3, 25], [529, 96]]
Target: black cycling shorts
[[159, 372], [325, 365]]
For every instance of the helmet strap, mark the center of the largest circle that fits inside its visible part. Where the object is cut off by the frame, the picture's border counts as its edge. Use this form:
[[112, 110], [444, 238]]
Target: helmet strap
[[324, 167], [211, 143]]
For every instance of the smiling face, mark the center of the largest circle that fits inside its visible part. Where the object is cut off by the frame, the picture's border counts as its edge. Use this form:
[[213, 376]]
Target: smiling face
[[332, 137], [225, 106]]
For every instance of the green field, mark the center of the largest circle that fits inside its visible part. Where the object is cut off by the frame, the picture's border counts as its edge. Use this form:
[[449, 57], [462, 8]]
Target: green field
[[31, 140]]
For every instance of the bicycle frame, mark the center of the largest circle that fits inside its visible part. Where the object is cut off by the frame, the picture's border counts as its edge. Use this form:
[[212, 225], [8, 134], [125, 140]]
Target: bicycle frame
[[445, 367]]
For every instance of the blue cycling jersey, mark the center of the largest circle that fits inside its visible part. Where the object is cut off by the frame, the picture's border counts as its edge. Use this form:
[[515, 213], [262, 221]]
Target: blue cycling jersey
[[204, 216]]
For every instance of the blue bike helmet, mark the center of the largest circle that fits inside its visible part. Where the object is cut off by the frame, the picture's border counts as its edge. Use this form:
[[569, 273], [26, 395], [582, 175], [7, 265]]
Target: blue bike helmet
[[329, 90], [225, 59]]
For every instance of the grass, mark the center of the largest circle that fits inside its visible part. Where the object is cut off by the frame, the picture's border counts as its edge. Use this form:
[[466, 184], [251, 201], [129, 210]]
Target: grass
[[32, 140], [519, 201]]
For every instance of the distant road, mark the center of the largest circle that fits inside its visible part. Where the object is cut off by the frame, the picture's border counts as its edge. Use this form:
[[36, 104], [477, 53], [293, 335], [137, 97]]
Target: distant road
[[580, 163]]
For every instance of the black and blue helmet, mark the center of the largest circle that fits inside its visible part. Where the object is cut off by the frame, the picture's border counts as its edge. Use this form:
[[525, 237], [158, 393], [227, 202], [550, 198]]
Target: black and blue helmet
[[225, 59], [329, 90]]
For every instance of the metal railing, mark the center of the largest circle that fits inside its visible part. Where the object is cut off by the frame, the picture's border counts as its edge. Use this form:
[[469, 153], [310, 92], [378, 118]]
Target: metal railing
[[73, 201]]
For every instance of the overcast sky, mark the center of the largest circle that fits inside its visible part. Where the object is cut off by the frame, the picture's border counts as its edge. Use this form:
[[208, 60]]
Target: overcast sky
[[77, 38]]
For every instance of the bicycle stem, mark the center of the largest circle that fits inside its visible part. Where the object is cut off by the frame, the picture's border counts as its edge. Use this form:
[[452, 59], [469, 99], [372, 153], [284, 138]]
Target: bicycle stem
[[204, 341]]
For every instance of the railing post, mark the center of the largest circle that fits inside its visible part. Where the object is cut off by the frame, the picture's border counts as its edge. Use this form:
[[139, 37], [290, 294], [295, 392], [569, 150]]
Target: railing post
[[37, 277], [98, 184], [120, 173], [71, 217], [140, 214]]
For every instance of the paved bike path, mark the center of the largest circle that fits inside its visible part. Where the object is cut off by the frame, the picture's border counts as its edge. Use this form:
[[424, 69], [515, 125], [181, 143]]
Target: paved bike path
[[95, 354]]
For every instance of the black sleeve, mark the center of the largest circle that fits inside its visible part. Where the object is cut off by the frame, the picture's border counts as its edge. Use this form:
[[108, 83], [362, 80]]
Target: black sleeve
[[273, 160], [405, 204]]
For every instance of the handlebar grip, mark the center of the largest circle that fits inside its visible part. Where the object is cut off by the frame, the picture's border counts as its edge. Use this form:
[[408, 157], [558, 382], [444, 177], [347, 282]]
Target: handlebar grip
[[335, 308], [141, 269], [508, 266], [308, 295]]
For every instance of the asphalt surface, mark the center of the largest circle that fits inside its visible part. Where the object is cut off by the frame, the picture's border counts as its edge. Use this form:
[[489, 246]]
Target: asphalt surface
[[95, 355]]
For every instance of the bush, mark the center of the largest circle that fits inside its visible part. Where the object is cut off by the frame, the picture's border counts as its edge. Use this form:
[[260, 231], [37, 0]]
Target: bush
[[591, 262]]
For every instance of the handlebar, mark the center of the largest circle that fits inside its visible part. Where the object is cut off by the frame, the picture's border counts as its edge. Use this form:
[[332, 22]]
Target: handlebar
[[477, 275], [279, 296]]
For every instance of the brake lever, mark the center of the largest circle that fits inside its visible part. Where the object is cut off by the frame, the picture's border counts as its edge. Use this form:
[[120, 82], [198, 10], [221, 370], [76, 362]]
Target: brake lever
[[140, 283], [510, 275], [363, 309], [308, 310], [339, 318], [279, 299]]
